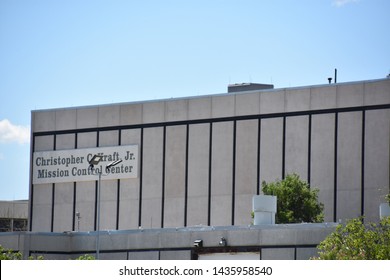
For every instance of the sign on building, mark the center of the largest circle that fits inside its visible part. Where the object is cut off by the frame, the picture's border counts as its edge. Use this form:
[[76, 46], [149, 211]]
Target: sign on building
[[73, 165]]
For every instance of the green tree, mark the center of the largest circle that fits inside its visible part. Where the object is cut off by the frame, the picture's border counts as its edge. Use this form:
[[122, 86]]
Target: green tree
[[7, 254], [296, 201], [356, 241]]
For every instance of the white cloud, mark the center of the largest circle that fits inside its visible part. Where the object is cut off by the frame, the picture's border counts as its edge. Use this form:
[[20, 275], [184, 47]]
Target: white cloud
[[13, 133], [339, 3]]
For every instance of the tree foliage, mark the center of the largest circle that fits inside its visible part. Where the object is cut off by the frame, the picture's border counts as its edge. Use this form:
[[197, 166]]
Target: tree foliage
[[85, 257], [7, 254], [356, 241], [296, 201]]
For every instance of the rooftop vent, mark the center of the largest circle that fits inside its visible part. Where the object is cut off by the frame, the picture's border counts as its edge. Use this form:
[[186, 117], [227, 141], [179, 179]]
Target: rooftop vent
[[247, 87]]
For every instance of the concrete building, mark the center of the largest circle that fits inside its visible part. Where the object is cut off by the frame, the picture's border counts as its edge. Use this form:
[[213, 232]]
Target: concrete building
[[190, 167], [13, 215]]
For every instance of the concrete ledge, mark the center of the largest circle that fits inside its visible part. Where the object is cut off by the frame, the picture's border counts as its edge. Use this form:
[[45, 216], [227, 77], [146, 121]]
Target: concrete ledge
[[166, 240], [369, 92]]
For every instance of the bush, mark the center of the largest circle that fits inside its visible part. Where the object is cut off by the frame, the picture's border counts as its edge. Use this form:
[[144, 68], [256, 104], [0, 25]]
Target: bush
[[7, 254], [296, 201], [85, 257], [356, 241]]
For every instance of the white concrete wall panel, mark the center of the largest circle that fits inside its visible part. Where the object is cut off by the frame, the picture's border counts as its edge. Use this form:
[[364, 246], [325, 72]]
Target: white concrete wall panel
[[322, 160], [297, 100], [131, 114], [271, 149], [65, 141], [243, 209], [246, 156], [129, 204], [173, 212], [131, 136], [197, 210], [349, 95], [129, 188], [153, 112], [44, 143], [247, 104], [176, 110], [246, 169], [221, 210], [377, 92], [221, 176], [43, 121], [85, 205], [108, 138], [199, 108], [376, 161], [66, 119], [151, 213], [223, 106], [42, 206], [152, 177], [108, 204], [349, 158], [63, 207], [297, 131], [109, 115], [323, 97], [198, 174], [175, 181], [86, 140], [87, 117], [272, 102]]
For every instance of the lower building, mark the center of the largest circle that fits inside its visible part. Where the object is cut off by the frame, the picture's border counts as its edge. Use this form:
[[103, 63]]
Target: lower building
[[13, 215], [265, 242]]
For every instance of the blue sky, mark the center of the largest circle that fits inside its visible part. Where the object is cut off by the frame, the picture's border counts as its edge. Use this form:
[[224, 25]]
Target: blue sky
[[71, 53]]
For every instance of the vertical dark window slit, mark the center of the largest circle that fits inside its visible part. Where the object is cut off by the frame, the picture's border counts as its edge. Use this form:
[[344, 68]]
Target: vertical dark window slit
[[163, 177], [234, 169], [363, 161], [284, 148], [309, 151], [186, 177], [53, 189], [74, 193], [335, 168], [118, 190], [258, 156], [140, 178], [210, 167]]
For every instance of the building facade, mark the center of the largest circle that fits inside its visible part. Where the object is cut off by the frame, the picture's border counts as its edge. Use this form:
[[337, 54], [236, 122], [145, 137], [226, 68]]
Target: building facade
[[200, 160]]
